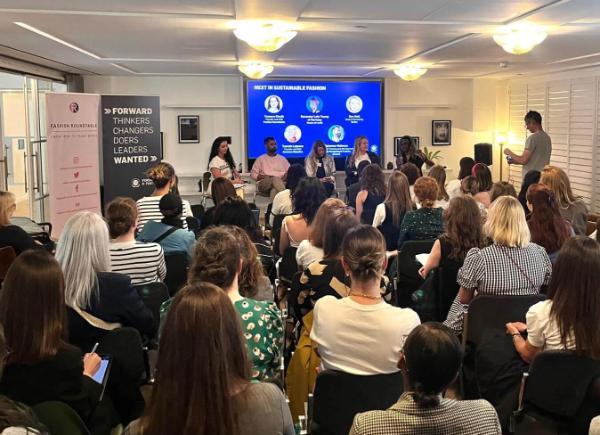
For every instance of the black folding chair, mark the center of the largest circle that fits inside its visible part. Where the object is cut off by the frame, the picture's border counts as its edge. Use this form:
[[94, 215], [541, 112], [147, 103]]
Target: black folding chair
[[59, 418], [177, 269], [339, 396], [276, 231], [408, 279], [445, 288], [153, 294], [559, 395]]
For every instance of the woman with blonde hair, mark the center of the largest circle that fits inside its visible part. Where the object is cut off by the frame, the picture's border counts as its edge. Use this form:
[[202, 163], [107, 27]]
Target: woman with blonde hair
[[512, 265], [12, 235], [572, 208], [390, 213], [359, 153], [319, 164], [164, 179], [438, 173]]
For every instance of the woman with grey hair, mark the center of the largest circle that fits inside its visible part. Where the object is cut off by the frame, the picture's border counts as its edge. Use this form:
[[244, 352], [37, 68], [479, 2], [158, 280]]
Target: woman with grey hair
[[104, 299]]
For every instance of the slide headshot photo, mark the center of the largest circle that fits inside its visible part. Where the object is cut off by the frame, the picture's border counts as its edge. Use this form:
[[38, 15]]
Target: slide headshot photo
[[441, 132], [273, 104], [292, 133], [354, 104], [314, 104], [336, 133]]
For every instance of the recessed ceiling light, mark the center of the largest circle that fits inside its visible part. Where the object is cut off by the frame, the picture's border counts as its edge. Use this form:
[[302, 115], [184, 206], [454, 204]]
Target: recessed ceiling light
[[55, 39]]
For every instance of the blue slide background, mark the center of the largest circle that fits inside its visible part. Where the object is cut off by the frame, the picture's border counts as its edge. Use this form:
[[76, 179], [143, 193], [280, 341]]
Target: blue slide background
[[295, 95]]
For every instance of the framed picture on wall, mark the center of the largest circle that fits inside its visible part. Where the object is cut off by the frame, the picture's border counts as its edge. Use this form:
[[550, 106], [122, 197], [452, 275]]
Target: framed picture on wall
[[397, 140], [441, 132], [189, 128]]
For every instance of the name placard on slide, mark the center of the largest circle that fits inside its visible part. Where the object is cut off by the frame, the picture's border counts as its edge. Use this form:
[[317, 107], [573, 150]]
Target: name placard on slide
[[73, 162]]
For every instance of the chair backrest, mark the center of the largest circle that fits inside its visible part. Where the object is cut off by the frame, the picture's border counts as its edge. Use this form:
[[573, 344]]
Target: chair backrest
[[126, 347], [7, 256], [493, 312], [81, 333], [268, 215], [408, 278], [177, 269], [276, 231], [288, 265], [60, 418], [153, 294], [206, 180], [339, 396], [197, 210], [445, 288]]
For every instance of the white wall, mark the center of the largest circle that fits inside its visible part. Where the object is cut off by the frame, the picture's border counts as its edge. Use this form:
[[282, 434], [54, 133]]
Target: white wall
[[472, 105]]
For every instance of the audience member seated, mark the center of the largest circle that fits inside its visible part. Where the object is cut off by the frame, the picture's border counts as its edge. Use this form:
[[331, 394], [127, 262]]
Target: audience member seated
[[354, 188], [359, 153], [361, 334], [142, 262], [483, 176], [220, 161], [463, 231], [218, 261], [269, 170], [469, 187], [41, 366], [235, 211], [466, 167], [413, 174], [532, 177], [438, 173], [96, 294], [221, 188], [327, 277], [311, 249], [252, 282], [572, 208], [12, 235], [203, 383], [512, 265], [567, 319], [164, 179], [548, 228], [430, 362], [502, 188], [390, 213], [427, 222], [372, 194], [282, 203], [169, 232], [408, 154], [321, 165], [15, 418], [308, 197]]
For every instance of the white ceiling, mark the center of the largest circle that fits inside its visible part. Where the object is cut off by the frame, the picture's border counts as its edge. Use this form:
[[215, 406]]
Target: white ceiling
[[358, 38]]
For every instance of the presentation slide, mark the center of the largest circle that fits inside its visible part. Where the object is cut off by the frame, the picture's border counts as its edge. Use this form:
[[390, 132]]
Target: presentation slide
[[297, 112]]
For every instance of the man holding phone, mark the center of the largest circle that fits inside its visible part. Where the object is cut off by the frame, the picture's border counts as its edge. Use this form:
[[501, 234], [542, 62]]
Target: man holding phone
[[538, 146]]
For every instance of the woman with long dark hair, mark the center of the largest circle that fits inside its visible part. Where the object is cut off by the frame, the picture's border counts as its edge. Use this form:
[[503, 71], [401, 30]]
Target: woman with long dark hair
[[372, 193], [430, 361], [220, 161], [308, 197], [202, 381], [569, 318], [483, 175], [389, 214], [548, 228], [466, 167], [282, 202]]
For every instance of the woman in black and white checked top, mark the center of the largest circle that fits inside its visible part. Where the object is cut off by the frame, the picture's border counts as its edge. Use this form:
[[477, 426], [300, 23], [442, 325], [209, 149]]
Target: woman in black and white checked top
[[512, 265]]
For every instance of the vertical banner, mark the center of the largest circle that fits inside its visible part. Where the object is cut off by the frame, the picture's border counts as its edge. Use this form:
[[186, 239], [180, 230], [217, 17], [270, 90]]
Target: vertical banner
[[73, 162], [130, 144]]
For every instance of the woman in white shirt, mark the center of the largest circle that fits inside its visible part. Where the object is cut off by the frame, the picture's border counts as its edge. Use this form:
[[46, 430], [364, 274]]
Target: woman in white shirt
[[220, 161], [569, 319], [361, 334], [282, 202]]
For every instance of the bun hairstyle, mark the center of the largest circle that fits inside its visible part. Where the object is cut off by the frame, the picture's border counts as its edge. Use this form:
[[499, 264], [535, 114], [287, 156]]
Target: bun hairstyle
[[426, 191], [433, 357], [216, 258], [363, 252], [161, 174], [121, 214]]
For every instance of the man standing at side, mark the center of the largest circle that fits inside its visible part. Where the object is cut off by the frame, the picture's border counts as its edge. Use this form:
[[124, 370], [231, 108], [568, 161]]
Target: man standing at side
[[538, 146], [269, 170]]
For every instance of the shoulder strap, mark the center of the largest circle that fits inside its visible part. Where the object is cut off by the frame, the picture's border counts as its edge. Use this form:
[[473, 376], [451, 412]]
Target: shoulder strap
[[164, 235]]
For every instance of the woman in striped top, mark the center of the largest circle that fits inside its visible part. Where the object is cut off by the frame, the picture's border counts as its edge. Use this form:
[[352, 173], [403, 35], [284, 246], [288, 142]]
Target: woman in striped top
[[142, 262], [164, 179]]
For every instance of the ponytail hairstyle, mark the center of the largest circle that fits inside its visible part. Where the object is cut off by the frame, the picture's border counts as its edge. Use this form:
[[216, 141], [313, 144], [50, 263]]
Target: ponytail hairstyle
[[433, 356], [363, 253]]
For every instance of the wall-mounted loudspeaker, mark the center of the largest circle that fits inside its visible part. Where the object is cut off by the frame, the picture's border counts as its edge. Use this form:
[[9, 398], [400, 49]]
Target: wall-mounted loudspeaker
[[483, 153]]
